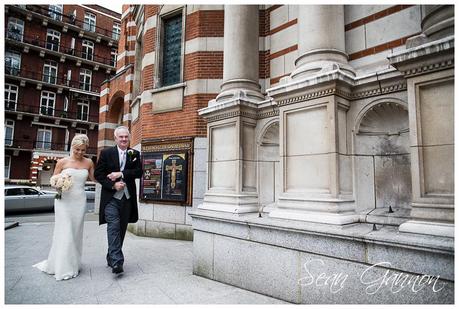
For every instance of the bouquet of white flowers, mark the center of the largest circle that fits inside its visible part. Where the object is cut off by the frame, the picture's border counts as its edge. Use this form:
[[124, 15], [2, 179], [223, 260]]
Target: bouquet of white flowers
[[61, 182]]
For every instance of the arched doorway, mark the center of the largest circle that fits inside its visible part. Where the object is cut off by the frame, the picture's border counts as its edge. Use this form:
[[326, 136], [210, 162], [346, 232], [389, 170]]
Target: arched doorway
[[46, 171], [268, 166], [382, 156], [116, 111]]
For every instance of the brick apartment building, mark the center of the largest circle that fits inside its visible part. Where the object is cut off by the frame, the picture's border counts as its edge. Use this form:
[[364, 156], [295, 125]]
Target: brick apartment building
[[56, 57], [277, 135]]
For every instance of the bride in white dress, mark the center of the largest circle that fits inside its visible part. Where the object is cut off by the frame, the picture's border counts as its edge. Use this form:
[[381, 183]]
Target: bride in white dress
[[64, 258]]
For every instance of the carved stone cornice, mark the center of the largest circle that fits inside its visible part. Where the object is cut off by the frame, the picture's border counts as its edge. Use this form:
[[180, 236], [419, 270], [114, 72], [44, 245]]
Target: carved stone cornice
[[431, 67], [268, 114], [232, 114], [351, 96], [375, 91], [430, 57], [308, 96]]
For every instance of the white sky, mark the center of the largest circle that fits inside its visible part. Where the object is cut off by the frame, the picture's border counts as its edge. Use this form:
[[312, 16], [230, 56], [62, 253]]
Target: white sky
[[114, 5]]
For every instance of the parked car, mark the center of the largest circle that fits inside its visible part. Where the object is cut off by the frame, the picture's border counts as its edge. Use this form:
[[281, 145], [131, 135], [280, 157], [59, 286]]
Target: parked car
[[22, 198], [90, 193]]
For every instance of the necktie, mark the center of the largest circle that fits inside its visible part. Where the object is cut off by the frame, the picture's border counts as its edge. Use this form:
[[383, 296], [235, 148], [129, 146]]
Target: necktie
[[123, 160]]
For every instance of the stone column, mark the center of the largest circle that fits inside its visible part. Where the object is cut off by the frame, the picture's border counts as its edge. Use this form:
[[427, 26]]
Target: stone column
[[437, 23], [316, 169], [231, 118], [428, 67], [240, 62], [321, 41]]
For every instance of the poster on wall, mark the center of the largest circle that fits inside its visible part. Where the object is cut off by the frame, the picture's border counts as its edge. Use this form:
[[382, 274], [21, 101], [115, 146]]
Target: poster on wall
[[174, 177], [164, 177], [151, 180]]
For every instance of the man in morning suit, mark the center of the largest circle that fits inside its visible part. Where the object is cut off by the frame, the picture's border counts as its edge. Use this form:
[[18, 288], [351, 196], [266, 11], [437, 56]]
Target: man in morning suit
[[116, 170]]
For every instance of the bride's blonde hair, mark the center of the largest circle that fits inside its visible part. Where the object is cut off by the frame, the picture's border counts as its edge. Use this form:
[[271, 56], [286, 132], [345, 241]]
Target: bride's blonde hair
[[80, 139]]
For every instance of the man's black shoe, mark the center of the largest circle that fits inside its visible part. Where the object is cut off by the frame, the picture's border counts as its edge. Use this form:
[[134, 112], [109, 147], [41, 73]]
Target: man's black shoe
[[117, 269]]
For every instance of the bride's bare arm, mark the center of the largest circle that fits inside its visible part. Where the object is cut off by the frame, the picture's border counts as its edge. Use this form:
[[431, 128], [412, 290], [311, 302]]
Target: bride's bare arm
[[91, 172], [58, 168]]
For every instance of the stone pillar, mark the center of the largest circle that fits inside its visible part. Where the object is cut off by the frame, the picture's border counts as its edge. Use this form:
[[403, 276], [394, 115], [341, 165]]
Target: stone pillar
[[437, 23], [321, 41], [231, 118], [240, 59], [429, 71], [316, 168]]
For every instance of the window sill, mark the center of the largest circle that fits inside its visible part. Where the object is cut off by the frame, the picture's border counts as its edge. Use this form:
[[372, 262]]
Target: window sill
[[166, 88], [168, 99]]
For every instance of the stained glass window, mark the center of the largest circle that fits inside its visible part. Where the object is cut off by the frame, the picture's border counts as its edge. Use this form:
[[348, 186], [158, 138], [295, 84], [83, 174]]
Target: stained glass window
[[172, 51]]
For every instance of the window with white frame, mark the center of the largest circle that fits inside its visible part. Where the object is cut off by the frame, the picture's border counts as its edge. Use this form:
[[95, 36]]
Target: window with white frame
[[83, 110], [11, 96], [72, 17], [66, 103], [89, 22], [7, 166], [113, 55], [85, 79], [12, 63], [15, 29], [171, 54], [47, 103], [135, 110], [53, 39], [9, 132], [138, 66], [44, 137], [81, 131], [116, 31], [50, 72], [88, 50], [55, 11]]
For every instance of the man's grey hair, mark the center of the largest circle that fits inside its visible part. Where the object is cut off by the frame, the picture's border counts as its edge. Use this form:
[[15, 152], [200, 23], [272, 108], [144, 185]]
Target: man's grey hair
[[121, 128]]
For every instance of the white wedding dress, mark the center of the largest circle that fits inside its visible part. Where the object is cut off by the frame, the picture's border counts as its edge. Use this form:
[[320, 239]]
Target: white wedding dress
[[65, 255]]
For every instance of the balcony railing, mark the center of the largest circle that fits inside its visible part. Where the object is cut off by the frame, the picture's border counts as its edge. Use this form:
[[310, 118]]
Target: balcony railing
[[51, 79], [42, 145], [61, 47], [49, 111], [69, 19], [10, 105]]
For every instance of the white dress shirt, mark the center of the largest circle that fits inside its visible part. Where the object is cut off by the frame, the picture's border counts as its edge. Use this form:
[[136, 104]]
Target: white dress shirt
[[120, 156]]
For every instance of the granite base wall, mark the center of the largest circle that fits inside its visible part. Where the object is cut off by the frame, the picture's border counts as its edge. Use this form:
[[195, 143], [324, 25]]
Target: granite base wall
[[323, 267]]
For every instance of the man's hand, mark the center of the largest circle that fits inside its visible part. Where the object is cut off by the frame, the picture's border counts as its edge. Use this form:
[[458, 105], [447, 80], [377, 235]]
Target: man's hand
[[119, 185], [114, 176]]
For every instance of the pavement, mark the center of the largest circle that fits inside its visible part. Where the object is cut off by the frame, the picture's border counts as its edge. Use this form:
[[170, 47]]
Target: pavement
[[157, 271]]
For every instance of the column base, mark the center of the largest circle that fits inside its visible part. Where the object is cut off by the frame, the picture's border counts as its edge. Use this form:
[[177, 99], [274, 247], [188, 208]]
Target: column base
[[328, 210], [428, 228], [239, 90], [233, 203], [321, 61], [317, 217]]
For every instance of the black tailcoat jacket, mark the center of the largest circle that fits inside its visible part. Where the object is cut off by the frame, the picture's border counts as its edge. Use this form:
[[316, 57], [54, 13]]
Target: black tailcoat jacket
[[109, 162]]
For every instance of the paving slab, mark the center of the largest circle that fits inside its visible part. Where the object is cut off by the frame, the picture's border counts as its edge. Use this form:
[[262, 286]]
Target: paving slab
[[157, 271]]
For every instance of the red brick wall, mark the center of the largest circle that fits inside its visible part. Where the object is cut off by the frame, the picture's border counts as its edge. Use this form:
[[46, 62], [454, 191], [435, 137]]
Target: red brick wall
[[102, 21], [203, 65], [204, 24], [20, 165], [151, 10], [149, 41], [22, 129], [186, 122]]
